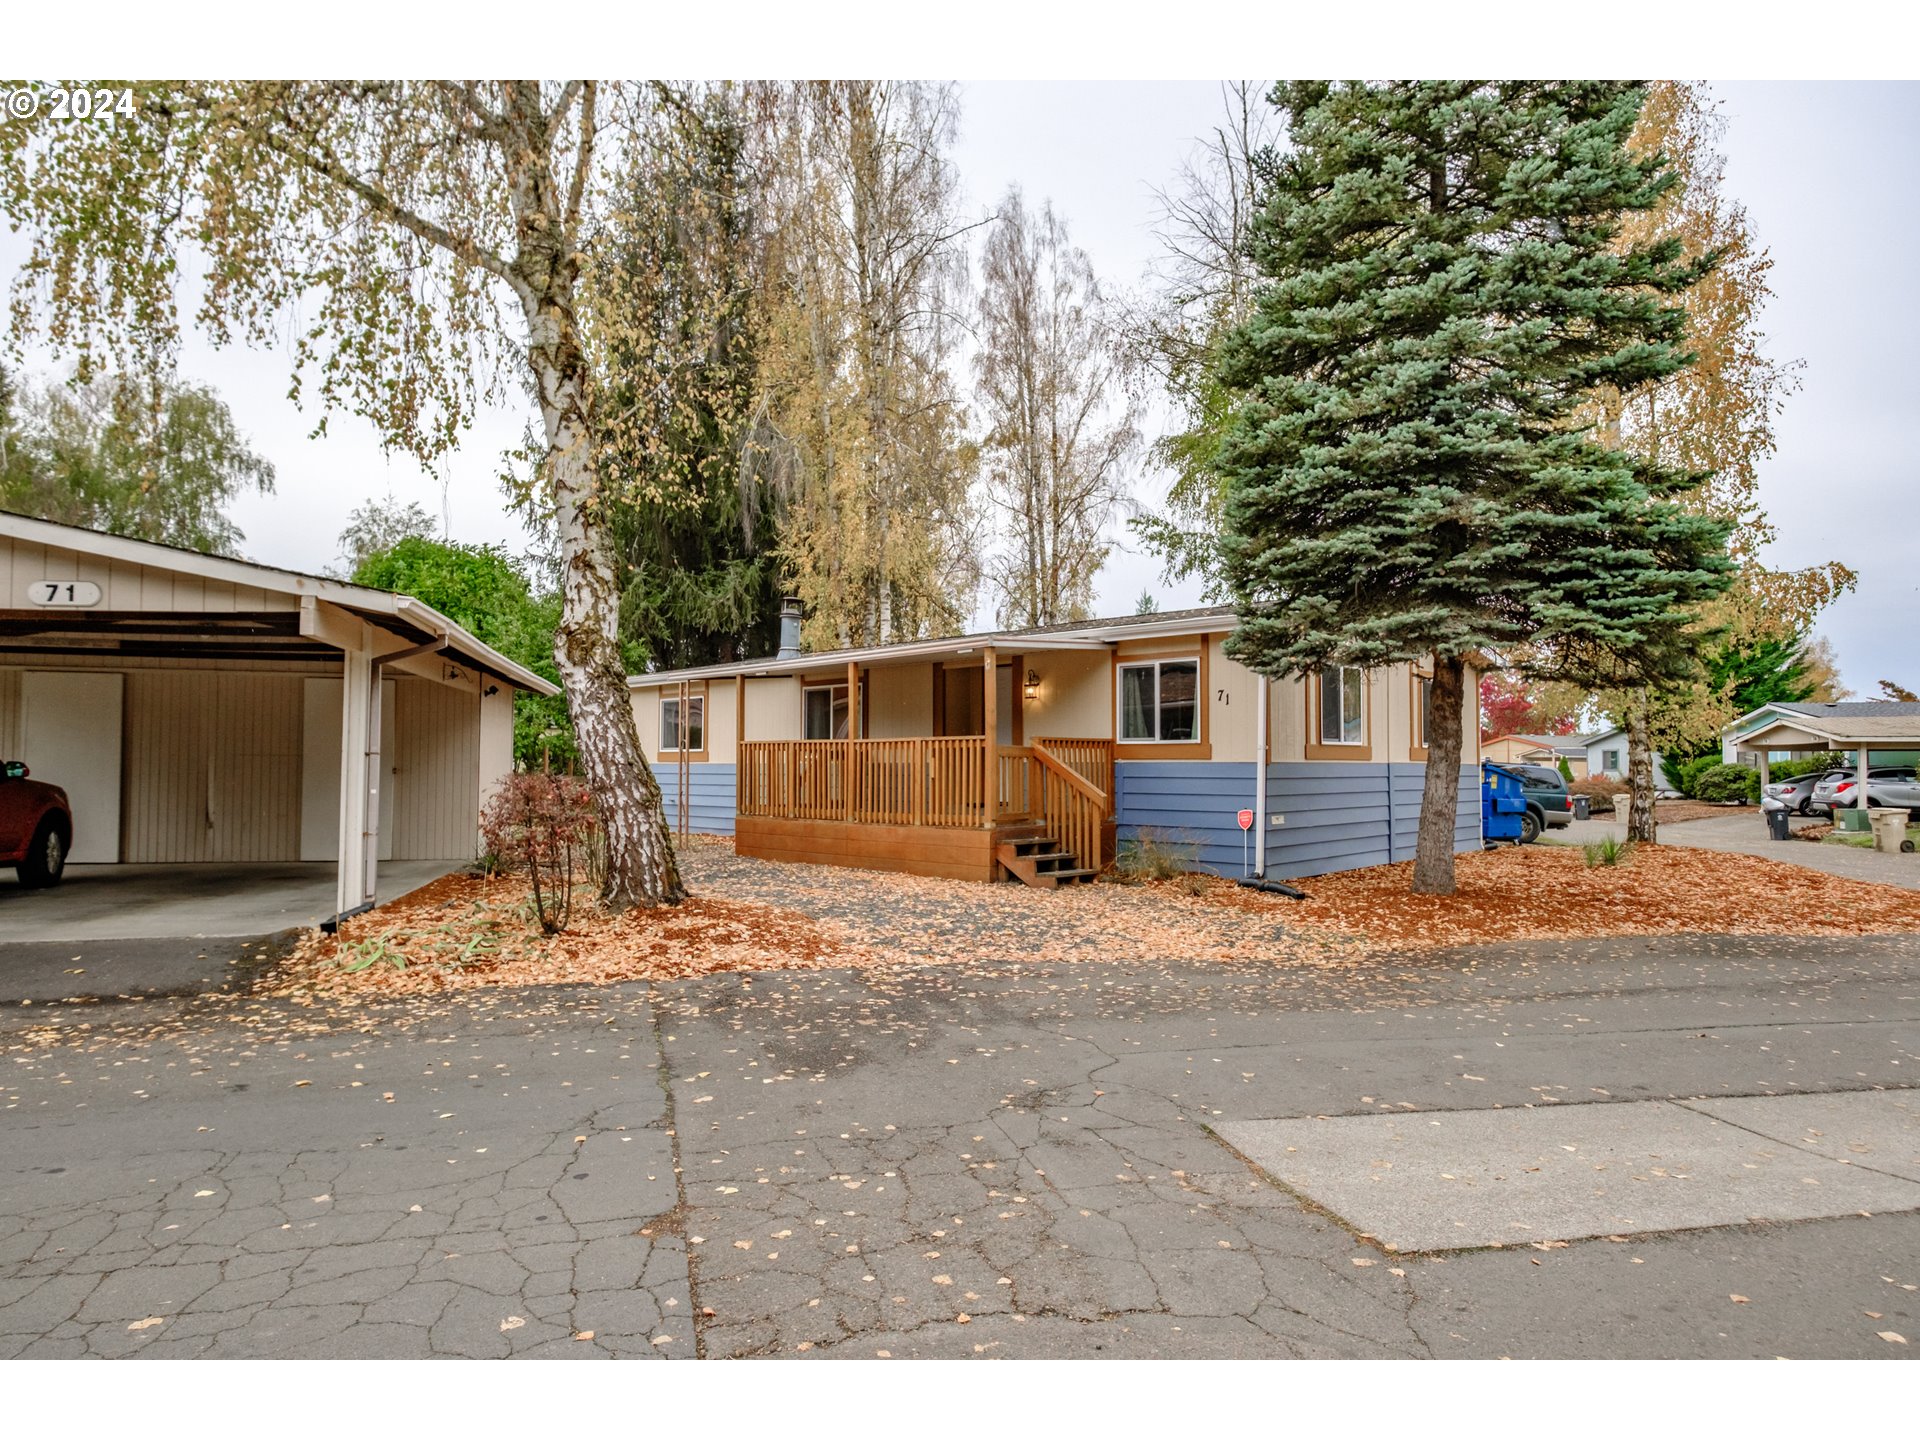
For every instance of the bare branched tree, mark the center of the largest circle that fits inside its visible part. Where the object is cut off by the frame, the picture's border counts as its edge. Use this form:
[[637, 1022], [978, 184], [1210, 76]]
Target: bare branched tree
[[1060, 427]]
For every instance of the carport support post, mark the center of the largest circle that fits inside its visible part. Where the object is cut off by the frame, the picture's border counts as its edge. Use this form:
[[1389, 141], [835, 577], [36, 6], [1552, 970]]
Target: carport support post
[[358, 696], [1861, 800]]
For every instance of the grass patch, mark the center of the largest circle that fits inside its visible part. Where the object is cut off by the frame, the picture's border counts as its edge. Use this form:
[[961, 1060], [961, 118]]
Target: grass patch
[[1607, 852]]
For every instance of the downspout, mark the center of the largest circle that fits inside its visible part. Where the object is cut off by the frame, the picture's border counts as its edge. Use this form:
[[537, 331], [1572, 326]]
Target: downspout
[[1260, 749], [1258, 880]]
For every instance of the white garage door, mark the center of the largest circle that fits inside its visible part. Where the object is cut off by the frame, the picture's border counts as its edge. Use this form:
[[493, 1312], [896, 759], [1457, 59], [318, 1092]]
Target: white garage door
[[70, 736]]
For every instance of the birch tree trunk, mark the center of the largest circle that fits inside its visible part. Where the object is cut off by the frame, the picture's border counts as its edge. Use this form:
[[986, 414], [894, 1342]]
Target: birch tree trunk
[[641, 869], [1640, 822], [1440, 800]]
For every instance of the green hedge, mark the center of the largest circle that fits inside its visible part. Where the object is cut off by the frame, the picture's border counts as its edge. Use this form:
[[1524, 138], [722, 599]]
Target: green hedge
[[1726, 782]]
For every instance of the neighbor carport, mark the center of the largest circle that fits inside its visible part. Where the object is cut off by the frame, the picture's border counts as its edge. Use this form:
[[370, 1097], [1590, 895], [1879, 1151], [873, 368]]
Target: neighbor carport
[[208, 712], [1815, 734]]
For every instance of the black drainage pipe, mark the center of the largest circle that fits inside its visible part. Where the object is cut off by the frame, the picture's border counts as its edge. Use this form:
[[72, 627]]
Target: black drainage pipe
[[1272, 887]]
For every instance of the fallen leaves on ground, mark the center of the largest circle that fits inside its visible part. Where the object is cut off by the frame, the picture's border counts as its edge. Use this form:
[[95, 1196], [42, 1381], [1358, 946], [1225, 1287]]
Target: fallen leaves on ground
[[753, 915]]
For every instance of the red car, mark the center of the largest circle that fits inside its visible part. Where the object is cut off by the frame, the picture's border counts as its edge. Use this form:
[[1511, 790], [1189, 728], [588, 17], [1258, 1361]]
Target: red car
[[36, 827]]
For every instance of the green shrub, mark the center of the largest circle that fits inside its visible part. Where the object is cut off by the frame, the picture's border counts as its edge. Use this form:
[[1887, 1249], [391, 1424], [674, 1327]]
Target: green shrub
[[1686, 776], [1566, 770], [1727, 782]]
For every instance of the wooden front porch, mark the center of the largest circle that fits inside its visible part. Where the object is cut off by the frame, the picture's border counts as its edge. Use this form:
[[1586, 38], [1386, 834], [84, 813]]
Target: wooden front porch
[[943, 806]]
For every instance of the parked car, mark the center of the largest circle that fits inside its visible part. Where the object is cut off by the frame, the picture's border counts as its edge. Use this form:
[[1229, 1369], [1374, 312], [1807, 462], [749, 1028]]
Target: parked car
[[1827, 795], [1895, 793], [1880, 790], [1549, 805], [1797, 793], [36, 826]]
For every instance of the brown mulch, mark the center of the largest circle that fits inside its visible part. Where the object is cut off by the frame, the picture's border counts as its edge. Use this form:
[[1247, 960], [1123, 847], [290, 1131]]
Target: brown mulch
[[1535, 893], [749, 915]]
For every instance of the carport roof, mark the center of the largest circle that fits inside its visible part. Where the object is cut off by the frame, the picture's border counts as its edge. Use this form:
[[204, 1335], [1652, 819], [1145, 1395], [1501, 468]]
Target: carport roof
[[401, 613], [1839, 732]]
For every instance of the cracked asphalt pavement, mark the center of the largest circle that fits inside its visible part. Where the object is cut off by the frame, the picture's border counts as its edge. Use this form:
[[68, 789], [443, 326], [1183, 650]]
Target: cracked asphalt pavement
[[997, 1161]]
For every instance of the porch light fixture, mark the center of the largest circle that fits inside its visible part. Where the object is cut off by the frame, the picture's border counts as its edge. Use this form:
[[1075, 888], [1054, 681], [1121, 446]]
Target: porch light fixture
[[1033, 685]]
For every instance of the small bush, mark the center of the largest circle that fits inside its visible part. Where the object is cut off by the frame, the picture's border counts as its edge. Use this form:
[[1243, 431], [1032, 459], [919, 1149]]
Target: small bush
[[1686, 774], [1808, 765], [1153, 855], [1719, 783], [1599, 794], [545, 825]]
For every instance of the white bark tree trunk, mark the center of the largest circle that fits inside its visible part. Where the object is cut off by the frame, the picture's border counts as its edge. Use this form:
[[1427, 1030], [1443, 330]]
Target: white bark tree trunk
[[641, 868]]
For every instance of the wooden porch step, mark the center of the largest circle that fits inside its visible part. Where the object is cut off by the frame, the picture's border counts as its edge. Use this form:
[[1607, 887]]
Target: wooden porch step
[[1039, 862]]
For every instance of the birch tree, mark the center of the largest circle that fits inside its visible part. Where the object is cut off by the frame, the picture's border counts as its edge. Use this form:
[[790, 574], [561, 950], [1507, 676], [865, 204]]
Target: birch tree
[[1713, 418], [1060, 425], [423, 245], [859, 419]]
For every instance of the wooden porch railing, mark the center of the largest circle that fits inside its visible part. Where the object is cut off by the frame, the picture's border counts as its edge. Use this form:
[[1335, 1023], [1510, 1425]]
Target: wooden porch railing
[[1091, 760], [1066, 785], [1073, 808], [892, 782]]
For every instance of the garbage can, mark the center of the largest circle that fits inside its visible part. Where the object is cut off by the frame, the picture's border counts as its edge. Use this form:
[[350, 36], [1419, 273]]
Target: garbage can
[[1582, 807], [1889, 827], [1777, 827]]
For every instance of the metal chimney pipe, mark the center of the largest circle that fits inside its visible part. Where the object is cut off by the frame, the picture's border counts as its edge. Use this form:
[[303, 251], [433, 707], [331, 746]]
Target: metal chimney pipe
[[789, 628]]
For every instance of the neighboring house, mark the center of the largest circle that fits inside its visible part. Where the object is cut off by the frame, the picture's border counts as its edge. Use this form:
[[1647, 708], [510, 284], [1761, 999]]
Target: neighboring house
[[204, 710], [1807, 726], [1606, 757], [1102, 730], [1539, 750]]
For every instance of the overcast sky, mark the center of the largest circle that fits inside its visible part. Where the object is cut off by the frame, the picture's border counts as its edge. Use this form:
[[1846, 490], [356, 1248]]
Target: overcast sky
[[1828, 173]]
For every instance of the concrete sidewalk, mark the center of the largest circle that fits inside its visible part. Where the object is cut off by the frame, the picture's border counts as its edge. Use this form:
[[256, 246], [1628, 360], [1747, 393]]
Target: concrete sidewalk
[[1744, 832]]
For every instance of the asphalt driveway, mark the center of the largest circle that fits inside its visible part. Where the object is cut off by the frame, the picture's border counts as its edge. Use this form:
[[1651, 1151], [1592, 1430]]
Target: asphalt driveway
[[971, 1162]]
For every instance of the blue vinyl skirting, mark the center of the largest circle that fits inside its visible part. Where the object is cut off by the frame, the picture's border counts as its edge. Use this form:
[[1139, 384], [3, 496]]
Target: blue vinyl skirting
[[711, 791], [1338, 815]]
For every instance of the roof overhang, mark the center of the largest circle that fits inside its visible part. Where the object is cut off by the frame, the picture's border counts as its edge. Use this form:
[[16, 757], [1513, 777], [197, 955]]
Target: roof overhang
[[957, 647], [402, 614], [1809, 732]]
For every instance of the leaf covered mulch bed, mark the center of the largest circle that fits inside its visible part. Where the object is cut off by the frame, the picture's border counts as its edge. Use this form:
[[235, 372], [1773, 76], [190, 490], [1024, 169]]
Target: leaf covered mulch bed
[[751, 915]]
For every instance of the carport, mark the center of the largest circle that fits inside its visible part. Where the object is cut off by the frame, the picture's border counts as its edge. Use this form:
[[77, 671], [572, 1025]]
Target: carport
[[209, 712], [1841, 727]]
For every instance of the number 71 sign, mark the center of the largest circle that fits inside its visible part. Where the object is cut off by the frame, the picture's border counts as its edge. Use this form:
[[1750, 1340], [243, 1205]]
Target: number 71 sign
[[64, 592]]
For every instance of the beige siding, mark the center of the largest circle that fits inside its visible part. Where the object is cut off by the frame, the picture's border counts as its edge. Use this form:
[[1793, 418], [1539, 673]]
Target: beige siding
[[773, 708], [9, 714], [123, 586], [720, 722], [212, 767], [254, 769], [646, 719], [1076, 695], [899, 701], [435, 755]]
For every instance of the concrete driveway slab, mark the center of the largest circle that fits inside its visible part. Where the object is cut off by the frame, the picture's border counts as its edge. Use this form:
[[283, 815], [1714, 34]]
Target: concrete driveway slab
[[147, 902], [1876, 1129], [1461, 1180]]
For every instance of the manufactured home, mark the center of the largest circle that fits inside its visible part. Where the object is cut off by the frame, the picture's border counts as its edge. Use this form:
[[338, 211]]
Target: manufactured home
[[200, 710], [1032, 754]]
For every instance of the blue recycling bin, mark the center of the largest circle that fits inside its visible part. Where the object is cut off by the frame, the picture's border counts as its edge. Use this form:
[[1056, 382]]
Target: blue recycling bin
[[1502, 804]]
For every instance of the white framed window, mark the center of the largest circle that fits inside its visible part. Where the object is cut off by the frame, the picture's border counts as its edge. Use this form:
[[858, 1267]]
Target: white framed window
[[1343, 716], [1160, 700], [1422, 710], [671, 733], [1610, 762], [823, 712]]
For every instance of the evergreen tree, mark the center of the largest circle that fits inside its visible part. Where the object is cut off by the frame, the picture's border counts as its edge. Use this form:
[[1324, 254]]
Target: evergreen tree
[[692, 521], [1405, 473]]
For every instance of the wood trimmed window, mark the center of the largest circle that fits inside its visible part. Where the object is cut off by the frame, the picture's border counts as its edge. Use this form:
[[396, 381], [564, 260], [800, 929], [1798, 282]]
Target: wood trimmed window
[[1160, 705], [1337, 707], [1159, 701], [1420, 698], [693, 738]]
